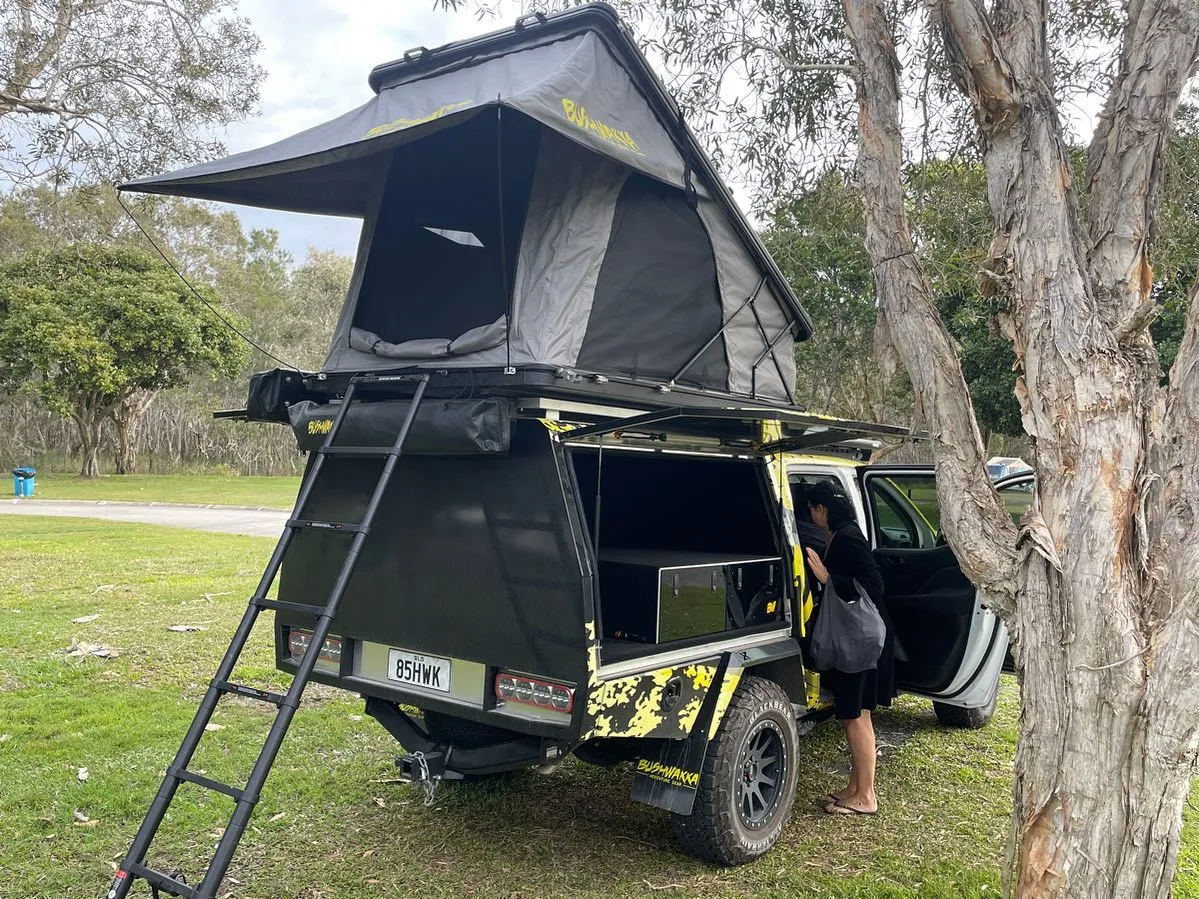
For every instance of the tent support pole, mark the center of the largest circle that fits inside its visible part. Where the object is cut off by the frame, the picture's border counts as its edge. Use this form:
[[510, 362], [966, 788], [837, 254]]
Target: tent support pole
[[505, 288], [770, 344], [711, 340], [769, 351]]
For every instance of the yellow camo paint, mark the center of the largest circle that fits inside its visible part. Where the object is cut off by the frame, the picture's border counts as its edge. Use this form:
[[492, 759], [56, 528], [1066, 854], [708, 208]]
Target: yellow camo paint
[[772, 431], [732, 678], [633, 706], [557, 427]]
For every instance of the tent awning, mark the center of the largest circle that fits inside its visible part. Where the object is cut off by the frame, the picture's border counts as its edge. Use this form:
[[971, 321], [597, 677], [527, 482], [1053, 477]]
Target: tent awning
[[577, 72]]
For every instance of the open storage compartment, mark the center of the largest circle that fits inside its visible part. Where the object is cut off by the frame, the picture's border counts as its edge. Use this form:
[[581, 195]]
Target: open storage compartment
[[688, 550]]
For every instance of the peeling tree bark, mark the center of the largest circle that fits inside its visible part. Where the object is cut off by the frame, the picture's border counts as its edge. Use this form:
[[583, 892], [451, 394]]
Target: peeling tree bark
[[1098, 585], [127, 419]]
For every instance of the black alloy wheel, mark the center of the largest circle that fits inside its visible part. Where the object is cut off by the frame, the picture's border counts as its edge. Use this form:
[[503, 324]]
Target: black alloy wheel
[[763, 773]]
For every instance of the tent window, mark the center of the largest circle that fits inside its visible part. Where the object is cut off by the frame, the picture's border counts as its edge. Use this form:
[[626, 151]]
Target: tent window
[[460, 237], [435, 269], [656, 299]]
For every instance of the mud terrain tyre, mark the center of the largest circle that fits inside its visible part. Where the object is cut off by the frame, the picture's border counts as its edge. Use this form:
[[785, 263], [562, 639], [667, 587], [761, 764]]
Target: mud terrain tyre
[[747, 785], [966, 719]]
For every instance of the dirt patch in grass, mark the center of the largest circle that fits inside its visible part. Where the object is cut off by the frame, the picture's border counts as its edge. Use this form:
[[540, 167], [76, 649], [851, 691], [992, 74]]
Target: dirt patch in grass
[[9, 683]]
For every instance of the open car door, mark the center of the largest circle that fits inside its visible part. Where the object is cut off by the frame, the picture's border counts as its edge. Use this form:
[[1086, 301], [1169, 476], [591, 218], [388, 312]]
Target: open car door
[[949, 646]]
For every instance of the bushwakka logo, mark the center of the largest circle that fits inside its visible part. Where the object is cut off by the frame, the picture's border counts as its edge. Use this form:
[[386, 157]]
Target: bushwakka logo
[[671, 774], [577, 116], [401, 124], [320, 426]]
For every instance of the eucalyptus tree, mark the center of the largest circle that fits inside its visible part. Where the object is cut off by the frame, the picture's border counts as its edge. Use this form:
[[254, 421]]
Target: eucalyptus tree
[[1099, 582], [107, 89]]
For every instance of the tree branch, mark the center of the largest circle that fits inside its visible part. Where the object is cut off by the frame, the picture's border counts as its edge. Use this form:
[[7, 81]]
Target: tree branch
[[1126, 164], [788, 62], [978, 63], [978, 527]]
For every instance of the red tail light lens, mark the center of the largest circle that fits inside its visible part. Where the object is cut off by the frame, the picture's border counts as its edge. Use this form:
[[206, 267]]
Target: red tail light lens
[[299, 641], [534, 692]]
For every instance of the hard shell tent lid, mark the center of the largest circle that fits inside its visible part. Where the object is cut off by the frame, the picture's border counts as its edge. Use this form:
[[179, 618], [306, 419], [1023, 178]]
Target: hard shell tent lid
[[531, 197]]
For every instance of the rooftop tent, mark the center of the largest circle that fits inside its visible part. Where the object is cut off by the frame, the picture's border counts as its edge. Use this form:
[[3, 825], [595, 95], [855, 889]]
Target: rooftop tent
[[531, 197]]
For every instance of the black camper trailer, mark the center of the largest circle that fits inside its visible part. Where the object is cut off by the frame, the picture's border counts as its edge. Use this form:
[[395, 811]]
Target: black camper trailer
[[544, 511]]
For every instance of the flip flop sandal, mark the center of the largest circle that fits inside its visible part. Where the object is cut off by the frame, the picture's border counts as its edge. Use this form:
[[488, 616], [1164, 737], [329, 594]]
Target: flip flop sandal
[[840, 808]]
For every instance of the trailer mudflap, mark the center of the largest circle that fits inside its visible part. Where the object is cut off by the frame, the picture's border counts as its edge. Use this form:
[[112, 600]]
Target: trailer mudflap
[[668, 778]]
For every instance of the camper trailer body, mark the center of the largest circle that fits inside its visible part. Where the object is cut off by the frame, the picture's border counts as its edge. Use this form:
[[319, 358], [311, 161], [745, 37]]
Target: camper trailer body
[[548, 506]]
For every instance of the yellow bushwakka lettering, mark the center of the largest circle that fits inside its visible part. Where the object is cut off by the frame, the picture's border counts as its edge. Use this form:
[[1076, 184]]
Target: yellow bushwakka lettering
[[320, 426], [671, 774], [577, 116]]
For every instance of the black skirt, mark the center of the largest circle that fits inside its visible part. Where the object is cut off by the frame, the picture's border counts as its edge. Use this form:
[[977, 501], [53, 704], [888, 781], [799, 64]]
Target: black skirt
[[865, 690]]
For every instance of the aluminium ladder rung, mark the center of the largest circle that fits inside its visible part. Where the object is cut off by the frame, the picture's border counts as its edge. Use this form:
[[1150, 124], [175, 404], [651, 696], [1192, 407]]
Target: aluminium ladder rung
[[378, 452], [206, 782], [280, 605], [348, 527], [276, 699], [163, 882], [133, 866]]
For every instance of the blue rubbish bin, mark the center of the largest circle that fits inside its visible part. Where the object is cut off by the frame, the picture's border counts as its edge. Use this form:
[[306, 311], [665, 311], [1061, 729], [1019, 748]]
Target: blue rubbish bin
[[23, 481]]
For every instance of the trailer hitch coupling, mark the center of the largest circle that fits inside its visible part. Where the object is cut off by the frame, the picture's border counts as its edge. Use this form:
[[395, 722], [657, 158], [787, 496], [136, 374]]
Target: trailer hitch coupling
[[424, 770]]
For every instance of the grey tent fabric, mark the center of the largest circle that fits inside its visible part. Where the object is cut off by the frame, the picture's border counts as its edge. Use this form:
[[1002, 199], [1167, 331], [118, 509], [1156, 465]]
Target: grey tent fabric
[[739, 277], [671, 292], [566, 233], [531, 198], [572, 85]]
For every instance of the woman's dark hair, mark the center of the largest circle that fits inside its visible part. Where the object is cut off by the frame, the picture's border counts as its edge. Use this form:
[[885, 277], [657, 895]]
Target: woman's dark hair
[[840, 509]]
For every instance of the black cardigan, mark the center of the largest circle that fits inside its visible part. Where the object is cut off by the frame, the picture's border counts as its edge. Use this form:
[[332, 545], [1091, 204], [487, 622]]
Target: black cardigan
[[848, 558]]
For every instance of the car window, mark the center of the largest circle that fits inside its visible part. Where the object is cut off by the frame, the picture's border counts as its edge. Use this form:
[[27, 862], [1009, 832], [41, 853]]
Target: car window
[[809, 534], [1017, 498], [905, 511], [799, 485]]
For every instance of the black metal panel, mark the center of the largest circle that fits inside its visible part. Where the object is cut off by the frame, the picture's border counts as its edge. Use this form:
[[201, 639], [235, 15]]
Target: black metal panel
[[470, 556], [441, 427]]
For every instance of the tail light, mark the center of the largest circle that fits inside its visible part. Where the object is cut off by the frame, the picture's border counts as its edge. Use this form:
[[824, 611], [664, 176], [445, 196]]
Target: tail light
[[299, 641], [534, 692]]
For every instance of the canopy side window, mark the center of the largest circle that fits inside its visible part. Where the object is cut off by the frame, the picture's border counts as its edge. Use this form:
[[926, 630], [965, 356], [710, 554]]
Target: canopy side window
[[439, 265]]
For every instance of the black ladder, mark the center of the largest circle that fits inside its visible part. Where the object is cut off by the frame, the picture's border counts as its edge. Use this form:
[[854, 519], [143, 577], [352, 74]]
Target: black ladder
[[134, 866]]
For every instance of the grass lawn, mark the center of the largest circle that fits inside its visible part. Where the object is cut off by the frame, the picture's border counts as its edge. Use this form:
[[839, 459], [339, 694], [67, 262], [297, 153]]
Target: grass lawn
[[233, 490], [333, 823]]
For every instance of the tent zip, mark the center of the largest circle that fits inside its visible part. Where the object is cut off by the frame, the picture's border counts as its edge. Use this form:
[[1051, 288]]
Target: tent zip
[[509, 290]]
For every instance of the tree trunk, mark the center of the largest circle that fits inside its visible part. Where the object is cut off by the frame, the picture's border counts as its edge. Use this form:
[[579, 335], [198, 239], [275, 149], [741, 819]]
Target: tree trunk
[[89, 426], [127, 419], [1098, 584]]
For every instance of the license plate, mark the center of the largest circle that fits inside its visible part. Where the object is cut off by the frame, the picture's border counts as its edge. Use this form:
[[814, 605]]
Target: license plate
[[416, 670]]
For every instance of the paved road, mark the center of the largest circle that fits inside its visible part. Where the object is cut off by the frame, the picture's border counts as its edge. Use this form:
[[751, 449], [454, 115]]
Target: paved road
[[223, 519]]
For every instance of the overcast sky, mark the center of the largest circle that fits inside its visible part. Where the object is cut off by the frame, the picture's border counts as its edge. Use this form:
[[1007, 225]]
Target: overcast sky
[[317, 55]]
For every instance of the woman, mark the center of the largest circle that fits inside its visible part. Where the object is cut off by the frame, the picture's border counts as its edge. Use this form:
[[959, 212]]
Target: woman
[[847, 558]]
